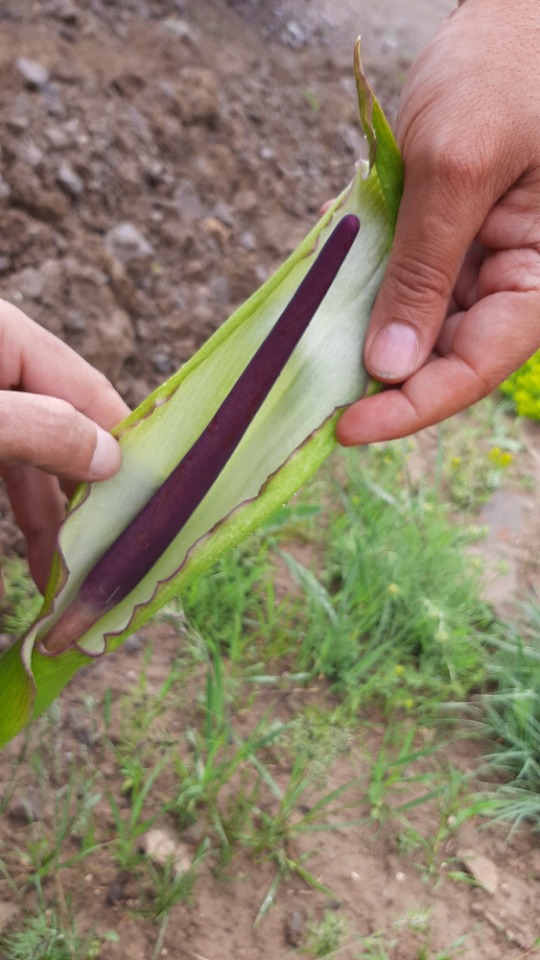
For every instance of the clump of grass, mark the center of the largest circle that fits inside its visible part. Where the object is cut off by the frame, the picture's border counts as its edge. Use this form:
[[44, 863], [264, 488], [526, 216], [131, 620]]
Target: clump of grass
[[507, 716], [325, 936], [396, 615], [48, 937], [228, 605], [382, 944]]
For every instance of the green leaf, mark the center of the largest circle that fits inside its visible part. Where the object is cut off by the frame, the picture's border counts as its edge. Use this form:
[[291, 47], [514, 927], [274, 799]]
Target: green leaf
[[383, 149], [289, 437]]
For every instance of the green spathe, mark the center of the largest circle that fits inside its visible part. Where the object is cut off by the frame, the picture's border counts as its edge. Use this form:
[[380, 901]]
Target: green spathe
[[288, 439]]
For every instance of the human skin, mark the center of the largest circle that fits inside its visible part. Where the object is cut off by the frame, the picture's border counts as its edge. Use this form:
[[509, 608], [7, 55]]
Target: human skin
[[459, 307], [55, 414]]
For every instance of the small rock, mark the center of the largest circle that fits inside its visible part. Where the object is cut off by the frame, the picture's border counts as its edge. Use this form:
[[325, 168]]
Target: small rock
[[188, 201], [53, 101], [75, 322], [35, 74], [196, 95], [294, 35], [247, 240], [133, 643], [180, 28], [481, 869], [127, 242], [57, 137], [66, 11], [161, 361], [193, 835], [295, 928], [26, 809], [246, 201], [163, 849], [17, 123], [70, 181], [154, 171], [30, 283], [224, 211], [8, 912], [30, 153], [220, 290]]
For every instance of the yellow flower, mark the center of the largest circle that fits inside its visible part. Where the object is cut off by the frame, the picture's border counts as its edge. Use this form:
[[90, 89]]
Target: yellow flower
[[393, 589], [501, 458]]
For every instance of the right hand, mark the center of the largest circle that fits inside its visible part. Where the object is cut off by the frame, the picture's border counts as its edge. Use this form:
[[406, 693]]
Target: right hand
[[459, 306]]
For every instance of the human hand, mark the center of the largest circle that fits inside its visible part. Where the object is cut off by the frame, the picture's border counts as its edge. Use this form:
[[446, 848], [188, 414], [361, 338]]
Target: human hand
[[459, 307], [55, 411]]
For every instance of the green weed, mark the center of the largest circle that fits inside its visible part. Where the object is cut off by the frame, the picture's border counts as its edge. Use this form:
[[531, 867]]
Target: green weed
[[396, 615], [398, 769], [228, 607], [45, 937], [507, 716], [326, 936]]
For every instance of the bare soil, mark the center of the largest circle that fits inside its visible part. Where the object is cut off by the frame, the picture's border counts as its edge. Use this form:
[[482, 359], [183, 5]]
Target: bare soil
[[159, 158]]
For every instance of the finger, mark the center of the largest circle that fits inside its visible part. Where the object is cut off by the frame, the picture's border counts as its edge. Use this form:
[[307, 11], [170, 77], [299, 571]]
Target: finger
[[38, 506], [33, 360], [490, 341], [325, 206], [437, 222], [51, 434]]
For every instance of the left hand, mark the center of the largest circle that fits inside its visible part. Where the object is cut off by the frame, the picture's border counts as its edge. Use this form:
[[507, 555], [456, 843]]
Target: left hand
[[55, 414]]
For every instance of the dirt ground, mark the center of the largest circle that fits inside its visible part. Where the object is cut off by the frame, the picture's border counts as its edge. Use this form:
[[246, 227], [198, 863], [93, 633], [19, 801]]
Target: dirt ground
[[159, 158]]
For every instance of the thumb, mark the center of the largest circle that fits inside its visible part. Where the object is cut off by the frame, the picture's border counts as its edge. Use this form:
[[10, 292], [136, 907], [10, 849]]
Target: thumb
[[438, 220], [51, 434]]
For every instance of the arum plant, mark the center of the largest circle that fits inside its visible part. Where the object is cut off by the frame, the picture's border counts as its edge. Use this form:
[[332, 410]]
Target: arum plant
[[222, 444]]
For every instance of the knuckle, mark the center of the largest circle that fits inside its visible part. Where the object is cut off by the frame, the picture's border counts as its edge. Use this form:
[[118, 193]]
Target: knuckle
[[417, 284], [442, 158], [64, 436], [459, 164]]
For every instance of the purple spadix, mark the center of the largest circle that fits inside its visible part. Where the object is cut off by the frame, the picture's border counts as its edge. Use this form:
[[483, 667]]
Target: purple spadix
[[152, 530]]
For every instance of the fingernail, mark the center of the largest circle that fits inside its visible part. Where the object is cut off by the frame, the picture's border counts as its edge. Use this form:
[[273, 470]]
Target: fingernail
[[393, 352], [107, 457]]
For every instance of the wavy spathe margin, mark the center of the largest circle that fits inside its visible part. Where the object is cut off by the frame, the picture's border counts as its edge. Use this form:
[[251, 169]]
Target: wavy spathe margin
[[289, 437]]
